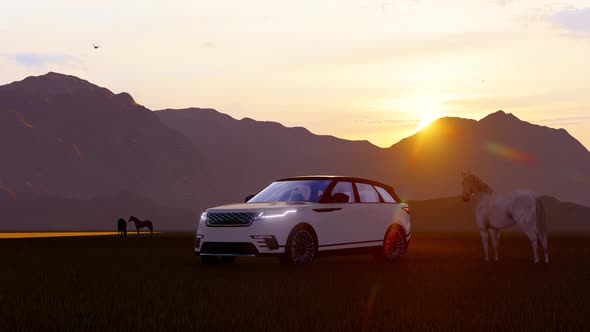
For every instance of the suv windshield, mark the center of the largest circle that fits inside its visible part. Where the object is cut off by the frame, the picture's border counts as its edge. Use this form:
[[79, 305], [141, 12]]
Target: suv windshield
[[292, 191]]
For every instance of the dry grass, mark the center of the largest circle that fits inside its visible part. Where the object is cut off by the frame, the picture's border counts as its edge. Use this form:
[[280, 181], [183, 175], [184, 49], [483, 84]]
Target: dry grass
[[155, 283]]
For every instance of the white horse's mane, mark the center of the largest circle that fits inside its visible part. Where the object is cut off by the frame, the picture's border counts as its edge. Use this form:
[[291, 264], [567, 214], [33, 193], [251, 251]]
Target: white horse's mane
[[480, 186]]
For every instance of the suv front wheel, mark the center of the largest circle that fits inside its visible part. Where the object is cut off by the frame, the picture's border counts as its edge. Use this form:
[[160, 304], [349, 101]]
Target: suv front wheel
[[301, 247]]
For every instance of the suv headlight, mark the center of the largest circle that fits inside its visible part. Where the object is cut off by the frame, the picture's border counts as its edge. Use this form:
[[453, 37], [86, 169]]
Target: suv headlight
[[203, 217], [270, 215]]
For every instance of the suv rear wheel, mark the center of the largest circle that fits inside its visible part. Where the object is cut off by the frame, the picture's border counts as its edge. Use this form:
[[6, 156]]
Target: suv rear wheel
[[393, 247]]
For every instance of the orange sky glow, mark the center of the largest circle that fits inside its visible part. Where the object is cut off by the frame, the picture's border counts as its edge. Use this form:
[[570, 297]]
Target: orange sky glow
[[374, 70]]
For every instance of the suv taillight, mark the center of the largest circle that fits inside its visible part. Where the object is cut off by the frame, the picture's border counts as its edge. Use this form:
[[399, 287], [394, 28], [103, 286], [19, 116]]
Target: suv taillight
[[407, 209]]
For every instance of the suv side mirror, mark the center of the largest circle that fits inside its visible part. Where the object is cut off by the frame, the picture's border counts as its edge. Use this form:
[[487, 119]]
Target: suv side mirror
[[340, 198], [249, 197]]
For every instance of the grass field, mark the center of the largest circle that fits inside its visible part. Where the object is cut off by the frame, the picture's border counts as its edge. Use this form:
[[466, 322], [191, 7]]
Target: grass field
[[155, 283]]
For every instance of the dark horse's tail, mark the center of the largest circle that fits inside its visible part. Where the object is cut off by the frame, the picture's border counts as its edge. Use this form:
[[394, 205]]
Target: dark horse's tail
[[541, 221]]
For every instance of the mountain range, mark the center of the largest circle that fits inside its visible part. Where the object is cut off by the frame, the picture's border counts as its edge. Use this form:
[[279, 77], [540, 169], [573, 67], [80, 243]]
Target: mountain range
[[67, 140]]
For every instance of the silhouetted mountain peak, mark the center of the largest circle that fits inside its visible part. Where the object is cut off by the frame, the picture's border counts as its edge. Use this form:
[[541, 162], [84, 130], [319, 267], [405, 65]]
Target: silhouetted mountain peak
[[440, 127], [53, 90], [501, 121], [451, 121], [54, 83], [56, 76], [126, 98], [500, 117]]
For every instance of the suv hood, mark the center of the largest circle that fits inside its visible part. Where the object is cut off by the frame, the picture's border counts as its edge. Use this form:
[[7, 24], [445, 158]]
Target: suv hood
[[259, 206]]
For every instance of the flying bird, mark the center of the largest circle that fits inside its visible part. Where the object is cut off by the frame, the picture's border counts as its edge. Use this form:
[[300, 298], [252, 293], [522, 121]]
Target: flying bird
[[95, 46]]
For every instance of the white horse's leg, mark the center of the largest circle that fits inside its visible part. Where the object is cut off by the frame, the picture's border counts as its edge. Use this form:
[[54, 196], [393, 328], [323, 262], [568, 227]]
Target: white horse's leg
[[533, 238], [545, 250], [495, 235], [484, 241], [529, 227]]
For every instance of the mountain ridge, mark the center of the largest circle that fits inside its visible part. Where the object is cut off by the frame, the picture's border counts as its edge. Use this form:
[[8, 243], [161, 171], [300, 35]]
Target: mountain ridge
[[71, 138], [84, 142], [248, 120]]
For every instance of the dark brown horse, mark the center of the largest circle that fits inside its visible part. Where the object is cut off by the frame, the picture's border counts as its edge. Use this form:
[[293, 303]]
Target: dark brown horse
[[141, 224], [122, 227]]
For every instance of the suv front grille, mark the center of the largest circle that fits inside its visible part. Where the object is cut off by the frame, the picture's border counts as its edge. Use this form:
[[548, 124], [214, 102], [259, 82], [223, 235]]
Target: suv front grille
[[230, 218]]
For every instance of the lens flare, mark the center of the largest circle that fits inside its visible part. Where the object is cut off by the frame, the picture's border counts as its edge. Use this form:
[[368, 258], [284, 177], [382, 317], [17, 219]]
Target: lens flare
[[509, 153], [437, 134], [77, 151], [22, 120], [370, 308], [5, 188], [575, 176], [414, 155]]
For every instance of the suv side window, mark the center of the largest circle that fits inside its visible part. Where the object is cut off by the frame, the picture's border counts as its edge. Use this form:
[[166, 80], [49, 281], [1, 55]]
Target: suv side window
[[385, 195], [344, 188], [367, 193]]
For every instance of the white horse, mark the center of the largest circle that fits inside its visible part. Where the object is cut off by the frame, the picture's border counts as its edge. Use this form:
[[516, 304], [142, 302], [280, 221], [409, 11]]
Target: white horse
[[496, 211]]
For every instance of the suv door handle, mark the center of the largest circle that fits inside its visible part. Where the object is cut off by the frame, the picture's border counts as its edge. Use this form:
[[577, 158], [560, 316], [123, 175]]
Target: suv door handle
[[327, 209]]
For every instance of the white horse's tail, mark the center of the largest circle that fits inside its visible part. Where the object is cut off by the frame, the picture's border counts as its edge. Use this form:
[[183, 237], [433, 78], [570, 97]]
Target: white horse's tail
[[541, 221]]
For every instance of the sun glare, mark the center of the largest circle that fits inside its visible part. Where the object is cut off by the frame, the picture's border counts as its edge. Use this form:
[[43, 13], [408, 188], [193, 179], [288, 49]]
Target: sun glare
[[424, 108], [426, 120]]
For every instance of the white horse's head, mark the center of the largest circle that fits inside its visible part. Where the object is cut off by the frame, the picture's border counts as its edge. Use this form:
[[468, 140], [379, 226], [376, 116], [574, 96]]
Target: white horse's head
[[471, 185], [467, 186]]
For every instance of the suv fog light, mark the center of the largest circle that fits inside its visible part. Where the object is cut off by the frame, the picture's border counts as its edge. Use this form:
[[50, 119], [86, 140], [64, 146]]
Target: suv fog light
[[268, 241], [198, 241]]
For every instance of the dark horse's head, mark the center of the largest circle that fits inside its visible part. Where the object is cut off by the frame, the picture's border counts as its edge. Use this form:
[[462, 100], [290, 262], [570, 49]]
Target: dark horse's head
[[132, 218], [471, 185]]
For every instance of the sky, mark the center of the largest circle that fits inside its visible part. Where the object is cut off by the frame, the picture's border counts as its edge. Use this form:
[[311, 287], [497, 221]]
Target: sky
[[355, 69]]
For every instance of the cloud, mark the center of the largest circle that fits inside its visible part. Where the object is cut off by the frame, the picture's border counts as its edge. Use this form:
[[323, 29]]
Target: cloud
[[503, 3], [564, 120], [495, 102], [39, 59], [576, 21], [395, 123]]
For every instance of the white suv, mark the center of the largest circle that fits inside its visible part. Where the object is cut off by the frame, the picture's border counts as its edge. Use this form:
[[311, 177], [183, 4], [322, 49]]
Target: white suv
[[300, 218]]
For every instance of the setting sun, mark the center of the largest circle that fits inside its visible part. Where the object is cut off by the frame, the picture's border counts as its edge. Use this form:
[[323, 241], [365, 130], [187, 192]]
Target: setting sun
[[427, 120]]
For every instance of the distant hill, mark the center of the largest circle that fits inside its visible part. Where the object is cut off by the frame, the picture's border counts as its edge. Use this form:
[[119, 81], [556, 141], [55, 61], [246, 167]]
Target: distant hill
[[451, 214], [33, 213], [63, 137], [447, 215]]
